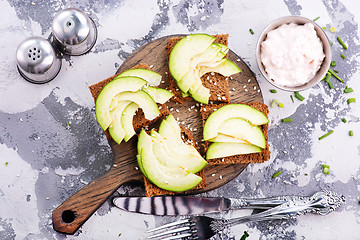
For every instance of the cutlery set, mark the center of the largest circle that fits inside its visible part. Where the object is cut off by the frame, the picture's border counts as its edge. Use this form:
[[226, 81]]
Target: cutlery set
[[202, 227]]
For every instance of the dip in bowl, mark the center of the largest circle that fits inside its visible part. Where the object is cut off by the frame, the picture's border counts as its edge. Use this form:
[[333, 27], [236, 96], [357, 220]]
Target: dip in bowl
[[293, 53]]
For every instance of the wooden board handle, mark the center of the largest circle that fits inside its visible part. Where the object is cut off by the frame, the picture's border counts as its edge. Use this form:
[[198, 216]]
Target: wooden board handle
[[72, 213]]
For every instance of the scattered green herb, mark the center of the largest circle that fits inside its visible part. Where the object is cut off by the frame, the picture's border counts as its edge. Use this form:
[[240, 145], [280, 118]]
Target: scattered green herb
[[324, 28], [245, 235], [351, 133], [292, 99], [273, 91], [342, 43], [333, 64], [336, 76], [348, 89], [326, 134], [336, 71], [351, 100], [298, 96], [342, 56], [316, 19], [281, 105], [251, 31], [276, 174], [331, 43], [327, 79], [344, 120], [274, 103], [326, 169], [6, 163], [286, 120], [306, 174]]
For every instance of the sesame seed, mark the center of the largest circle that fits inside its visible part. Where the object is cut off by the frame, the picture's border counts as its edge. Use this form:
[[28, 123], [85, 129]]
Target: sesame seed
[[246, 90], [177, 110], [171, 109], [223, 98], [220, 177], [215, 83], [249, 80], [115, 165], [212, 73], [136, 168], [285, 152], [204, 109], [244, 86], [292, 146], [254, 87], [151, 66], [233, 89], [238, 59]]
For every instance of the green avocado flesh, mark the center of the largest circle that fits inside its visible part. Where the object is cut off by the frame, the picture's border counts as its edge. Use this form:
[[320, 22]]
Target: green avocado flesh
[[242, 129], [127, 120], [184, 50], [158, 94], [103, 101], [143, 100], [151, 77], [226, 149], [165, 177], [217, 118], [116, 129]]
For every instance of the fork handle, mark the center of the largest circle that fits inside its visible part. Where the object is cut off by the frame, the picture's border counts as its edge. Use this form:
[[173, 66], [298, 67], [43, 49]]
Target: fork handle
[[321, 203]]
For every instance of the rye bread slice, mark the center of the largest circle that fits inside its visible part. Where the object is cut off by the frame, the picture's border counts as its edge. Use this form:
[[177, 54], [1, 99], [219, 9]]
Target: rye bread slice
[[261, 157], [152, 190], [217, 83], [139, 120]]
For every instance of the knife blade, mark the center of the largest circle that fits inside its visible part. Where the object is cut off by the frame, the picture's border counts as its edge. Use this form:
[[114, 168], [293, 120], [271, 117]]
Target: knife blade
[[187, 205]]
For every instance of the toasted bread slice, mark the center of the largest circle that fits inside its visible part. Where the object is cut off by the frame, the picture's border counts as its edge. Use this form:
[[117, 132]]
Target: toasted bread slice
[[152, 190], [217, 83], [261, 157]]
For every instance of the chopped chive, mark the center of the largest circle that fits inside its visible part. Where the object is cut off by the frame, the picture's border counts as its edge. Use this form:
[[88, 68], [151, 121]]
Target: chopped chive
[[351, 133], [333, 64], [245, 235], [324, 28], [292, 99], [332, 29], [6, 163], [331, 43], [326, 169], [251, 31], [351, 100], [342, 56], [286, 120], [276, 174], [342, 43], [306, 174], [316, 19], [298, 96], [273, 91], [336, 76], [327, 79], [344, 120], [274, 103], [326, 134], [348, 89], [336, 71], [281, 105]]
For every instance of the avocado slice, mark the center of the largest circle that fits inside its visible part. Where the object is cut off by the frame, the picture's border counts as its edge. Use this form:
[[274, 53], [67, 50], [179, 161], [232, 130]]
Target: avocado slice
[[141, 98], [153, 78], [217, 118], [127, 120], [158, 94], [244, 130], [226, 149], [113, 88], [116, 129], [184, 50], [172, 179]]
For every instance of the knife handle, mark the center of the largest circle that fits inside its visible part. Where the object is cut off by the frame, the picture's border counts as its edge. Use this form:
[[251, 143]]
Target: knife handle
[[72, 213]]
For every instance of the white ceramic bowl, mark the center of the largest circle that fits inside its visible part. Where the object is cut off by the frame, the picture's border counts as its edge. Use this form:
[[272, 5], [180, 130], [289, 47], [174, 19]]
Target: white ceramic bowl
[[326, 46]]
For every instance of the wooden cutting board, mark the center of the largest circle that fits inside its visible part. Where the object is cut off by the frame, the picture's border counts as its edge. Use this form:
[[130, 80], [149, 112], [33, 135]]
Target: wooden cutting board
[[72, 213]]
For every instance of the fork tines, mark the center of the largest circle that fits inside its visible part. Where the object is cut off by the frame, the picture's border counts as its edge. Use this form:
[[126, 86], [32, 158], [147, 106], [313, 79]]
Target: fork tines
[[175, 230]]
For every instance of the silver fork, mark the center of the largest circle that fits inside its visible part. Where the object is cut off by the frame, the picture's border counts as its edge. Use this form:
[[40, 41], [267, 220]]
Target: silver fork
[[202, 227]]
